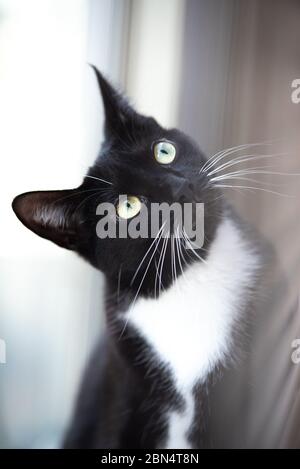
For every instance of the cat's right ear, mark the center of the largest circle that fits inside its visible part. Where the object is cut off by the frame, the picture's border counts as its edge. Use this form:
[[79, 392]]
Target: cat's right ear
[[53, 215], [119, 115]]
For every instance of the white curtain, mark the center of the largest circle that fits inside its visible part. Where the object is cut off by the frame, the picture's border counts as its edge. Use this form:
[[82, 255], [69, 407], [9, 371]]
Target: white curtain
[[50, 121]]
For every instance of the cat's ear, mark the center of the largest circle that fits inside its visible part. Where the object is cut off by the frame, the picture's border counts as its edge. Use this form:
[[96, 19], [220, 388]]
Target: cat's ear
[[50, 214], [118, 113]]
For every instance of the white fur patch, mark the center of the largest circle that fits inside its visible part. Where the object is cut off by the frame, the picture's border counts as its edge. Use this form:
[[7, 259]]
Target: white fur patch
[[190, 325], [179, 423]]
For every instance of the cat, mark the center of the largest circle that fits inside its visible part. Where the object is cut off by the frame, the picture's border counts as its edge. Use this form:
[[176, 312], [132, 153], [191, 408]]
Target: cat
[[173, 311]]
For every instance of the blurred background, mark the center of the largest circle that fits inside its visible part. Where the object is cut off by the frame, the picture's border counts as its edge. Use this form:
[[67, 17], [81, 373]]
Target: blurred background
[[221, 70]]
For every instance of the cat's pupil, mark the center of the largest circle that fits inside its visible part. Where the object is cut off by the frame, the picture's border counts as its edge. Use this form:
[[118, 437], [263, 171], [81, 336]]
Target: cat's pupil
[[128, 204], [164, 152]]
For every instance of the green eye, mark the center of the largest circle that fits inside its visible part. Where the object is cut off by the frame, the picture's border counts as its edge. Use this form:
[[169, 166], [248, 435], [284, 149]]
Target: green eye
[[129, 207], [164, 152]]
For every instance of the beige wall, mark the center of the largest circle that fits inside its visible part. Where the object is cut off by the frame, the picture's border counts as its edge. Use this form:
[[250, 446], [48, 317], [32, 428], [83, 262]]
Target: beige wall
[[240, 58]]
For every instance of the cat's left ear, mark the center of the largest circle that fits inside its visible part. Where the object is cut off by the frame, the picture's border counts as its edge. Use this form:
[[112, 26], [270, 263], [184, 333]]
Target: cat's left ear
[[51, 214], [119, 115]]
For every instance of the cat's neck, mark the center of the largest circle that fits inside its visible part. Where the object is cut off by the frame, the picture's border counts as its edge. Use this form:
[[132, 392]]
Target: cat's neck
[[176, 341], [189, 328]]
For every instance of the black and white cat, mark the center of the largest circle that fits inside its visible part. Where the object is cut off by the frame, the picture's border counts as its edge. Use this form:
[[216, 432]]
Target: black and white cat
[[173, 313]]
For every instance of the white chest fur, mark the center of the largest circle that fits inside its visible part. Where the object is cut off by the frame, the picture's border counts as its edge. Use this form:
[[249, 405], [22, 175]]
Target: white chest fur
[[190, 325]]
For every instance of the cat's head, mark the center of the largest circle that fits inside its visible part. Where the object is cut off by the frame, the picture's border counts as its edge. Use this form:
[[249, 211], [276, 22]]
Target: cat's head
[[143, 161]]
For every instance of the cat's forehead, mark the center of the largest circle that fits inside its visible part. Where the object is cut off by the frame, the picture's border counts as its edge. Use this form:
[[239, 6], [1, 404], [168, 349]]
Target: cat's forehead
[[138, 150]]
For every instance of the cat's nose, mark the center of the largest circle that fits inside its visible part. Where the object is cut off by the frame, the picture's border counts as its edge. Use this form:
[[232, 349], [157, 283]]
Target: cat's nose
[[182, 190], [185, 192]]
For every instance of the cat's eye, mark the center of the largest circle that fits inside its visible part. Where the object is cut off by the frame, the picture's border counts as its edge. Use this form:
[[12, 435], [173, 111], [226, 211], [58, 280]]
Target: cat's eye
[[164, 152], [129, 206]]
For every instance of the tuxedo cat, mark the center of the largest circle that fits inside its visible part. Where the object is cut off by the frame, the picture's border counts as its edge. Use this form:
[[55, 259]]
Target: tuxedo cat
[[173, 310]]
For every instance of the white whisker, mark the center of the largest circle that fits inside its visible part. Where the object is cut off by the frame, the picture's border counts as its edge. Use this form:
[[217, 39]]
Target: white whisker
[[139, 288], [157, 276], [242, 178], [254, 188], [253, 171], [178, 244], [164, 250], [174, 256], [98, 179], [243, 159], [188, 241], [213, 160], [147, 252]]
